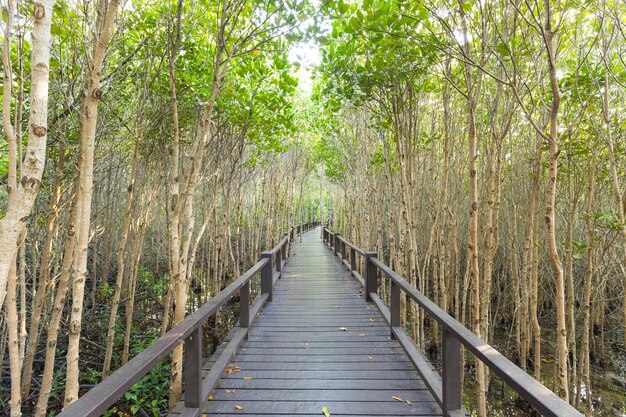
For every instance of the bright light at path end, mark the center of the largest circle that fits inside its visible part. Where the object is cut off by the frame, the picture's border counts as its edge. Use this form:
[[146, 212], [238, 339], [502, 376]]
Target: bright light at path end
[[308, 56]]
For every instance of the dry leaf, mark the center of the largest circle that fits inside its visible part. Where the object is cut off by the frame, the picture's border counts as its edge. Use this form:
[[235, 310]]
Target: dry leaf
[[255, 52], [361, 334], [370, 357], [211, 398], [343, 329], [396, 398], [372, 319], [238, 407], [408, 402], [247, 378], [326, 411]]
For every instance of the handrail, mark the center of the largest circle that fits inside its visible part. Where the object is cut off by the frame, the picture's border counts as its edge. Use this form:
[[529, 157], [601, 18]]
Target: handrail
[[98, 399], [448, 392]]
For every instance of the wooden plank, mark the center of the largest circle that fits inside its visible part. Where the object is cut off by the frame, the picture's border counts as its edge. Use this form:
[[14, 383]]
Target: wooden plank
[[321, 366], [321, 384], [244, 357], [381, 408], [315, 395]]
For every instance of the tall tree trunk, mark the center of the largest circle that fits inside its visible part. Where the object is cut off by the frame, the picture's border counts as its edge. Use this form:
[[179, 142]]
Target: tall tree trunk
[[44, 274], [121, 250], [21, 197], [584, 369], [57, 312], [555, 260], [107, 10]]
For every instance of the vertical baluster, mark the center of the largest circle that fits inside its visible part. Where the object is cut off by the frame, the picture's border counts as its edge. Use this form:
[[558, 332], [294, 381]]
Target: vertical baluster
[[352, 259], [193, 369], [279, 260], [283, 250], [266, 275], [451, 373], [244, 305], [394, 307], [371, 275]]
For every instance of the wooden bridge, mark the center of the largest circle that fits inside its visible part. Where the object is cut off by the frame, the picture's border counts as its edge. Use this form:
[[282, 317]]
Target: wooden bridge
[[318, 339]]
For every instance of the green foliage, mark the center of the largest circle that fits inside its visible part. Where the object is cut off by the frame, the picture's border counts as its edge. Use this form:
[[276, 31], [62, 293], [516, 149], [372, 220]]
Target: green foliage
[[329, 155], [147, 396]]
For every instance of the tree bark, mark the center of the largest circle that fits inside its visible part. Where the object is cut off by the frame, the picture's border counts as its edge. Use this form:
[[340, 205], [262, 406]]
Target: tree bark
[[107, 10]]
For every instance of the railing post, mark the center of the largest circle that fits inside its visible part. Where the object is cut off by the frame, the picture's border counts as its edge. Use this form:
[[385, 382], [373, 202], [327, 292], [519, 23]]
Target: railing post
[[279, 260], [283, 249], [352, 259], [266, 275], [394, 307], [336, 244], [451, 373], [193, 369], [371, 275], [291, 234], [244, 305]]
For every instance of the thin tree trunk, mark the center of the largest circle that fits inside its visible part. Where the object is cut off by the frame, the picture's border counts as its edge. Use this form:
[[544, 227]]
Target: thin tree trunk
[[107, 10], [555, 259], [44, 274], [121, 250], [57, 312]]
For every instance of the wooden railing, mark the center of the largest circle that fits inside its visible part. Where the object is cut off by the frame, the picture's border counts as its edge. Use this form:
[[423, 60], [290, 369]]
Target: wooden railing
[[197, 389], [446, 388]]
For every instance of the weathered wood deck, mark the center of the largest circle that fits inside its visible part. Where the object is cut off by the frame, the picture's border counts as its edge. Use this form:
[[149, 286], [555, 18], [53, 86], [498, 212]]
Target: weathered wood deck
[[319, 344]]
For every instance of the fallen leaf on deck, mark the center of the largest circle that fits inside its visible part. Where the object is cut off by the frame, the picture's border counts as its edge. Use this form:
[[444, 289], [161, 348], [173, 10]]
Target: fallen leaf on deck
[[408, 402], [238, 407], [361, 334], [326, 411], [211, 398], [228, 391], [232, 370], [247, 378], [372, 319], [397, 398], [343, 329], [370, 357]]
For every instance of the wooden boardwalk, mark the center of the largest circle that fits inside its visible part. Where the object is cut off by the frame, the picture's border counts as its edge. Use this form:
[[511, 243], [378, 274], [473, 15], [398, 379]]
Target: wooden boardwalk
[[319, 344]]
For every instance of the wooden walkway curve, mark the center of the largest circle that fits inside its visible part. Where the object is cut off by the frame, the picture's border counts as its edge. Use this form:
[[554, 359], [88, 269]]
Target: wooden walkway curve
[[319, 344]]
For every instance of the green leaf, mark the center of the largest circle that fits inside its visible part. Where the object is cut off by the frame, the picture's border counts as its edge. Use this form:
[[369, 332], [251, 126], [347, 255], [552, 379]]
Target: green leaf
[[502, 49], [326, 411], [423, 14]]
